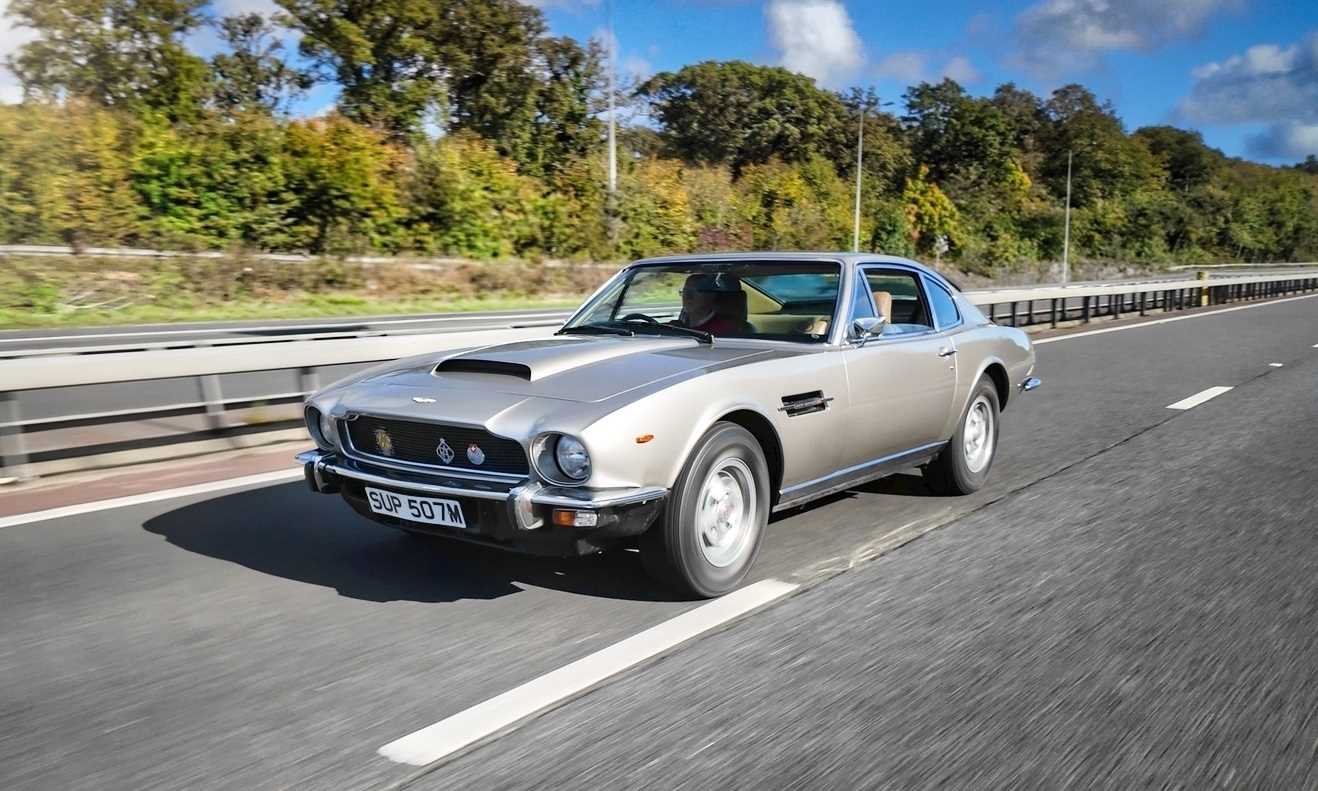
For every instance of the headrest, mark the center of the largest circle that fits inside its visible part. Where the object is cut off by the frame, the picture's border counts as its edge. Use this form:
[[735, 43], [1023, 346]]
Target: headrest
[[719, 283]]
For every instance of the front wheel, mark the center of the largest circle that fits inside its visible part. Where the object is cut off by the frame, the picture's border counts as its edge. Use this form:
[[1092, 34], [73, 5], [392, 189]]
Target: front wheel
[[963, 466], [715, 518]]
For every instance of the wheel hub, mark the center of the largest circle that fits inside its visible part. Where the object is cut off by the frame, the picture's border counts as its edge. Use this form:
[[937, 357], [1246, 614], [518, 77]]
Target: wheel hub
[[725, 512]]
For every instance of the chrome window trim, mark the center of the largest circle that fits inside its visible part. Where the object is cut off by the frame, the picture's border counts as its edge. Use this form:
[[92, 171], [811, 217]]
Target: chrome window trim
[[918, 273], [951, 295], [352, 452]]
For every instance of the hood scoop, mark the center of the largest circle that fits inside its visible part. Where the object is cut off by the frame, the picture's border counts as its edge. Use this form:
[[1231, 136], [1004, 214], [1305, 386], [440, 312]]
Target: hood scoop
[[466, 365], [533, 361]]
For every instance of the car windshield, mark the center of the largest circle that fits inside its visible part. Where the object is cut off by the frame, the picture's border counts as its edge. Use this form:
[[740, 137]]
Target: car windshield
[[787, 300]]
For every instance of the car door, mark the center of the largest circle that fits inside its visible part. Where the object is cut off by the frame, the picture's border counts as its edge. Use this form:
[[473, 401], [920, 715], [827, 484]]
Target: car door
[[901, 383]]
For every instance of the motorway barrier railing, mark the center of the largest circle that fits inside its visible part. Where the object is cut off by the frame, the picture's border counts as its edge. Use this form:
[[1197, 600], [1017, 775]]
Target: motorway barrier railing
[[57, 369]]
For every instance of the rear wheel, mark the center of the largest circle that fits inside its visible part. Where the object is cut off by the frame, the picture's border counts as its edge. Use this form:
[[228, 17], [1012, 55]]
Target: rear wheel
[[963, 466], [714, 520]]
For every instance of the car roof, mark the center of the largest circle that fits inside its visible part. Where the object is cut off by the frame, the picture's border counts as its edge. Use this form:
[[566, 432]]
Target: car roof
[[847, 259]]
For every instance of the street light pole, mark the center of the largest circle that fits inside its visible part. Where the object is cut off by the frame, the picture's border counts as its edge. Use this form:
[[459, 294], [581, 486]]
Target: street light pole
[[613, 132], [1066, 232], [860, 155]]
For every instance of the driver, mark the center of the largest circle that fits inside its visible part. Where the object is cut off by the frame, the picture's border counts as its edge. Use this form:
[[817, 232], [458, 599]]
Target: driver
[[701, 296]]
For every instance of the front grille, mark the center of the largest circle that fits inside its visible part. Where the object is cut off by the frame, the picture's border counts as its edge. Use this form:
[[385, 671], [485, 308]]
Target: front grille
[[420, 443]]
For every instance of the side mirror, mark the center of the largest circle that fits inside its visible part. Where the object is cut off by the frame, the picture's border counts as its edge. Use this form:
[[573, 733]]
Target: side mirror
[[870, 326]]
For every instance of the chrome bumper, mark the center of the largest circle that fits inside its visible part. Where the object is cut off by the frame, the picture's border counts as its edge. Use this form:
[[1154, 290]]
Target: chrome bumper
[[322, 467]]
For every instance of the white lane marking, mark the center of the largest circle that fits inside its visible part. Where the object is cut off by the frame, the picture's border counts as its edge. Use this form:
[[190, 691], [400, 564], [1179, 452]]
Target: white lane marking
[[278, 476], [502, 712], [284, 327], [1276, 365], [1156, 322], [1198, 398]]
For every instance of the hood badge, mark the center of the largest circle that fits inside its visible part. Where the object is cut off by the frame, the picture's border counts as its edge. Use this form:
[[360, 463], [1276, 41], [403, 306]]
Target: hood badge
[[383, 442], [445, 452], [475, 455], [423, 399]]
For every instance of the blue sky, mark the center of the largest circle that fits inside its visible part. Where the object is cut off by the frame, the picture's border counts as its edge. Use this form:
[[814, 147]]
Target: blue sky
[[1243, 72]]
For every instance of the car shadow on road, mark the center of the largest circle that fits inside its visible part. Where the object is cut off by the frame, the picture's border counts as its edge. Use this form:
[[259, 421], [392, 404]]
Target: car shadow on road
[[288, 532]]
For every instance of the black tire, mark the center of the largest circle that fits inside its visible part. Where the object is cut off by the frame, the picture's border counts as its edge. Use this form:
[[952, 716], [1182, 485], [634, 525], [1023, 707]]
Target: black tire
[[675, 552], [954, 470]]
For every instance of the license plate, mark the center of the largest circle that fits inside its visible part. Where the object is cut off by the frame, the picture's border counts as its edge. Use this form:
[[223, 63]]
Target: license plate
[[416, 509]]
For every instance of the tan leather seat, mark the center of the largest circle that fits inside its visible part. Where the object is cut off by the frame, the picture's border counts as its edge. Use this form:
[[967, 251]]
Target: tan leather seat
[[817, 326], [883, 304]]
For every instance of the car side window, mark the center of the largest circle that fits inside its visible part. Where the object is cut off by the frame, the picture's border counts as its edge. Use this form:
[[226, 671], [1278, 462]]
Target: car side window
[[900, 289], [862, 306], [944, 306]]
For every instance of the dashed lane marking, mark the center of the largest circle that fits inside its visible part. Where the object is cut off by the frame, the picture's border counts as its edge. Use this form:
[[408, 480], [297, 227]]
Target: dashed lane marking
[[1199, 398]]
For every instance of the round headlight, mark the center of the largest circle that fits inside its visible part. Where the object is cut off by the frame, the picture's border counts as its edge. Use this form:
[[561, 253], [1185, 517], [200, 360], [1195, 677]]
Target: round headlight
[[572, 458]]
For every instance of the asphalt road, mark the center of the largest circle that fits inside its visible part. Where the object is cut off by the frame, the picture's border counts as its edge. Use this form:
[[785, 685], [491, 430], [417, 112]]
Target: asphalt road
[[1131, 602]]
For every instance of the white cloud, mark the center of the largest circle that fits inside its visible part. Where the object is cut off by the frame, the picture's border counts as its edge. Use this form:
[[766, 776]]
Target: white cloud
[[905, 67], [11, 39], [815, 37], [1267, 83], [636, 67], [1285, 141], [1060, 36], [962, 70]]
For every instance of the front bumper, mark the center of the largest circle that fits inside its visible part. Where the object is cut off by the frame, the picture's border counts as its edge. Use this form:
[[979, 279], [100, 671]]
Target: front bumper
[[517, 517]]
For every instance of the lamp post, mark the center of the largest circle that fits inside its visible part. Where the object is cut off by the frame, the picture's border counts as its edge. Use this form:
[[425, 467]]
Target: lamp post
[[860, 171], [1066, 230]]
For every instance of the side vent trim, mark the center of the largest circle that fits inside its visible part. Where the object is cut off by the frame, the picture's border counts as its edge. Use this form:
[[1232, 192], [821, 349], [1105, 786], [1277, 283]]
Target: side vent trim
[[458, 365], [804, 403]]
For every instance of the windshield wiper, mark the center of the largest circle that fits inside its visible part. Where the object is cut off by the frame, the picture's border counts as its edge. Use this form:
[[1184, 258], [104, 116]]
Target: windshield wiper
[[700, 335], [593, 329]]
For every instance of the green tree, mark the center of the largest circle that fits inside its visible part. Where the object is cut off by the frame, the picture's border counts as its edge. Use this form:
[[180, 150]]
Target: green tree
[[955, 134], [467, 200], [1189, 163], [738, 114], [379, 54], [116, 53], [64, 176], [345, 179], [1106, 163], [254, 75]]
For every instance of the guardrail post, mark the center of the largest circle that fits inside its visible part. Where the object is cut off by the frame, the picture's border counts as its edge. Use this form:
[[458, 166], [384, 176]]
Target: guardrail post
[[1029, 314], [1052, 312], [1114, 305], [993, 311], [308, 380], [1013, 314], [213, 397], [1203, 293], [13, 447], [1084, 310], [1143, 298]]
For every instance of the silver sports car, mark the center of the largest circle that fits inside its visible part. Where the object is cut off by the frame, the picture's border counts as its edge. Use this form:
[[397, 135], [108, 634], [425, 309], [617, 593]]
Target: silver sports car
[[685, 401]]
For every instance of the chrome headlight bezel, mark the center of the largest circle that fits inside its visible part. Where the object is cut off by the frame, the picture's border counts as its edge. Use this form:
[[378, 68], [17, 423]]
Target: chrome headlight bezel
[[546, 456], [320, 426]]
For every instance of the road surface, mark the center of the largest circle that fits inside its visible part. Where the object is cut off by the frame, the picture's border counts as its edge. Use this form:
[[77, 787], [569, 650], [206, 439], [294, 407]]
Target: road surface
[[1130, 602]]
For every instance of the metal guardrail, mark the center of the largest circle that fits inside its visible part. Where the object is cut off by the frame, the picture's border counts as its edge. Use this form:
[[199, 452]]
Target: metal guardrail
[[1013, 306]]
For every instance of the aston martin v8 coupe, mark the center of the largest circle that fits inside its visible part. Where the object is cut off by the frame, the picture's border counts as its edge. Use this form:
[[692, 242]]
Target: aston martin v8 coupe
[[684, 402]]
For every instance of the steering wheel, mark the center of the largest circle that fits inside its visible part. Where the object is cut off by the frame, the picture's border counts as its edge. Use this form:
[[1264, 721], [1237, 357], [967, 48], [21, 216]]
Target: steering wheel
[[640, 317]]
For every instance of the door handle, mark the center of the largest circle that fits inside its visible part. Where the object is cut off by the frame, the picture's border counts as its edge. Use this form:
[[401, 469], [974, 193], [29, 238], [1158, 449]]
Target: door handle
[[946, 352]]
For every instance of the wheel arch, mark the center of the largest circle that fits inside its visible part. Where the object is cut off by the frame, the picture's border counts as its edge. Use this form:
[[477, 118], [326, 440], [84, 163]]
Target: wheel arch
[[997, 373], [762, 429]]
